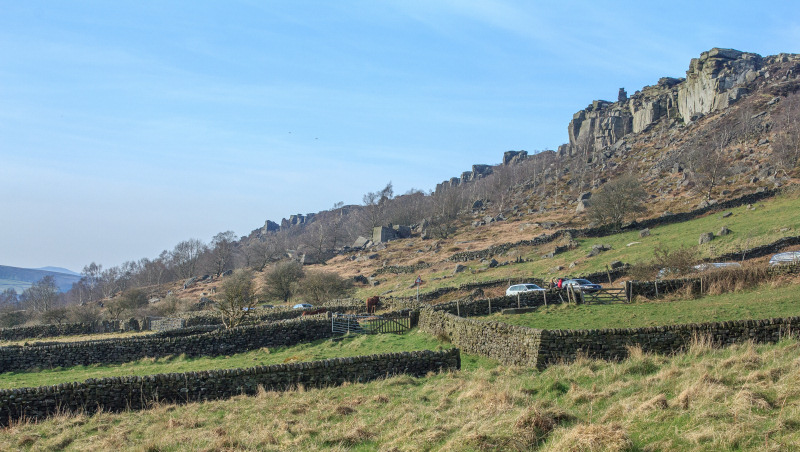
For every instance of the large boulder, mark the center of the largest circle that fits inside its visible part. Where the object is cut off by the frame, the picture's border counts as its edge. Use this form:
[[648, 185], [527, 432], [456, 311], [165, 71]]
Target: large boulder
[[361, 242]]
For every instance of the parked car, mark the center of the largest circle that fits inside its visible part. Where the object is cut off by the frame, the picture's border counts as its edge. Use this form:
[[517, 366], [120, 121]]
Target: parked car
[[789, 257], [302, 306], [522, 288], [584, 285]]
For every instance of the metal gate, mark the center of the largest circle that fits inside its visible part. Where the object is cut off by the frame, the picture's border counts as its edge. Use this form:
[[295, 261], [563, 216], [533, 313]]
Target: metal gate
[[369, 324]]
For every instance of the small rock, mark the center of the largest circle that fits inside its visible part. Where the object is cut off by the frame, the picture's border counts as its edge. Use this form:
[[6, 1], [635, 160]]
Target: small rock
[[727, 214], [493, 263], [633, 243], [644, 233], [724, 231], [706, 237], [459, 268], [616, 264]]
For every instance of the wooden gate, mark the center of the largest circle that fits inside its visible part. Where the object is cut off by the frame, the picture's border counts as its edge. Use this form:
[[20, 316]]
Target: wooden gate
[[370, 324]]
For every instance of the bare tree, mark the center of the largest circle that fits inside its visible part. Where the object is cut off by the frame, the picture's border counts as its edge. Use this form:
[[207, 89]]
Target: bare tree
[[318, 286], [8, 297], [185, 256], [222, 250], [706, 159], [237, 297], [42, 295], [617, 201], [280, 282], [446, 207], [786, 144], [375, 204]]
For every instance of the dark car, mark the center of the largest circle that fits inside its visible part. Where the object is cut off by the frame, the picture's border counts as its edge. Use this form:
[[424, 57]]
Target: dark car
[[584, 285]]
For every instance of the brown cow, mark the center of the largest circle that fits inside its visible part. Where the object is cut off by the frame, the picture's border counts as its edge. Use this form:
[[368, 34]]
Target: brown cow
[[315, 311], [372, 304]]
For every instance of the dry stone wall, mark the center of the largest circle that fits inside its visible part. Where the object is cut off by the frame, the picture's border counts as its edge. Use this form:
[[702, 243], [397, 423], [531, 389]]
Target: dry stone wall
[[135, 393], [612, 344], [509, 344], [518, 345], [67, 329], [216, 343], [654, 289]]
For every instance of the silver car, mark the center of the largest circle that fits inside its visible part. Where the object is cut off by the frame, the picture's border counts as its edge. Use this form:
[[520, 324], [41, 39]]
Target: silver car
[[522, 288]]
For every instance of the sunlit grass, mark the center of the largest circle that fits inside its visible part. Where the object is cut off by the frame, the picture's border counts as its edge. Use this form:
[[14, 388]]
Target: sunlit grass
[[744, 397], [763, 302], [321, 349]]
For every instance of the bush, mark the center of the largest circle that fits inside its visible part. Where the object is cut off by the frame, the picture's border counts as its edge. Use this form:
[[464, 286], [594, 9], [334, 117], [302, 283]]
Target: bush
[[318, 286], [237, 297], [280, 282]]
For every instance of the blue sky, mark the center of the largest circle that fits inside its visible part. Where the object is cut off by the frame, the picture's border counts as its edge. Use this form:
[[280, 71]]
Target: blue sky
[[126, 127]]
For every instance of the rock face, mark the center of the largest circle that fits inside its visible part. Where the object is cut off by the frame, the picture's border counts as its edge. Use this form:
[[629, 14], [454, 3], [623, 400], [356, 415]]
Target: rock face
[[511, 157], [716, 80], [654, 102], [271, 226], [713, 82], [599, 126]]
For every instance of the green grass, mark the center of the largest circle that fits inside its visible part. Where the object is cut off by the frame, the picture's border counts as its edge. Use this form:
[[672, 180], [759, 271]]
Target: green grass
[[745, 397], [322, 349], [750, 228], [762, 303]]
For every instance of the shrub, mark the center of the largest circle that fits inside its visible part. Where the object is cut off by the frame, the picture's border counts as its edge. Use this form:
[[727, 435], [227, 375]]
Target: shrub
[[318, 286]]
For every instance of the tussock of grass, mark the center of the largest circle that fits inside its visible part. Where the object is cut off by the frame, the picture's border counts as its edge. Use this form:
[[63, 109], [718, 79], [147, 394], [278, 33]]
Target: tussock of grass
[[745, 397]]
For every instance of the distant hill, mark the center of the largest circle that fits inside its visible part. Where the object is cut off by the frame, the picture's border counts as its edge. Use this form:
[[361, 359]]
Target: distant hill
[[20, 279], [59, 270]]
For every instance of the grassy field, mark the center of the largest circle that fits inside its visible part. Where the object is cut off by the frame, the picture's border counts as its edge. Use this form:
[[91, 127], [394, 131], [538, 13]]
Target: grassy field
[[767, 222], [322, 349], [745, 397], [763, 302]]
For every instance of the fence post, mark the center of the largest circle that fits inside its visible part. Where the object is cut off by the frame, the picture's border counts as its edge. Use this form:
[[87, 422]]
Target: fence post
[[544, 295], [458, 308], [655, 283], [490, 306], [518, 295]]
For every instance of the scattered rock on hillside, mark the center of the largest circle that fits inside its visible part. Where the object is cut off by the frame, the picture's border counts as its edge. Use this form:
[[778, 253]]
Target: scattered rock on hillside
[[361, 242], [616, 264], [724, 231], [706, 237], [493, 263], [597, 249], [459, 268], [361, 279], [727, 214], [644, 233], [188, 283]]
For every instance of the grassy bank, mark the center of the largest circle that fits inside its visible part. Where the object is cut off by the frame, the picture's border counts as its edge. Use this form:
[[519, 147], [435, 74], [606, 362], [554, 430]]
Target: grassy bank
[[741, 398], [322, 349], [767, 222], [762, 303]]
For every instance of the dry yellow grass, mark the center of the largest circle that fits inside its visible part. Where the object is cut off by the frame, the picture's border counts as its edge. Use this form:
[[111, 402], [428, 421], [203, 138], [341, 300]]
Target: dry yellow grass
[[746, 397]]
